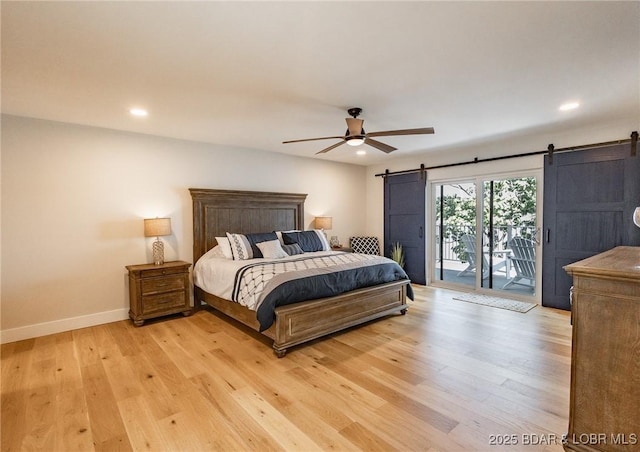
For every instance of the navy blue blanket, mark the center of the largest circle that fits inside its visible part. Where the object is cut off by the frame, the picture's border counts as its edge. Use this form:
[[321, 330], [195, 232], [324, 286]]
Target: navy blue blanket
[[313, 278]]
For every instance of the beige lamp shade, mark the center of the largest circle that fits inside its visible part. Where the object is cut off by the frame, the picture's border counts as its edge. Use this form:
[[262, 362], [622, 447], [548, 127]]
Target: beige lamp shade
[[155, 227], [636, 216], [325, 223]]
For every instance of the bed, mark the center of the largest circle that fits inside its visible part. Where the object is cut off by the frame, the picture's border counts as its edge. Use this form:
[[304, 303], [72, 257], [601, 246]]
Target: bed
[[216, 212]]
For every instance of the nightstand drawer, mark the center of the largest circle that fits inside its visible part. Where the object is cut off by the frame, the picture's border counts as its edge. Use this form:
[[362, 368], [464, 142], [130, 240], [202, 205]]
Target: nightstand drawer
[[162, 284], [163, 301], [153, 272]]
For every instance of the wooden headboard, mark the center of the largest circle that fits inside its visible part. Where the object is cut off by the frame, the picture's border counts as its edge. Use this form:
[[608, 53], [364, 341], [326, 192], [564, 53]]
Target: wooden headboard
[[216, 212]]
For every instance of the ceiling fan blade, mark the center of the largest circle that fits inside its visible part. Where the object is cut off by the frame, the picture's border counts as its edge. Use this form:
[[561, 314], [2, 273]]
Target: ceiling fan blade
[[388, 133], [332, 147], [378, 145], [314, 139], [354, 125]]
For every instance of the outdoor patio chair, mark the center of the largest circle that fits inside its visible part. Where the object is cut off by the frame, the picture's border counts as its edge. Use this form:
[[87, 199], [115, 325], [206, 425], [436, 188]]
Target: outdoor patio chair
[[523, 261], [469, 243]]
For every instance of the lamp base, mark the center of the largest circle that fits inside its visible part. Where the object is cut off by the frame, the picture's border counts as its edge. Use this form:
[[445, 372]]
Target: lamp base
[[158, 252]]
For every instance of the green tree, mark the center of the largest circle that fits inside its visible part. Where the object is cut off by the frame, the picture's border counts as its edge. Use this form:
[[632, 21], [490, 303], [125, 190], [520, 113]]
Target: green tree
[[514, 210]]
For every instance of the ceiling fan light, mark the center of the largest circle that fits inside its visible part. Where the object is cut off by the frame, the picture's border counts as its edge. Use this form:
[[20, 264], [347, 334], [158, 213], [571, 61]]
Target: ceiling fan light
[[355, 141]]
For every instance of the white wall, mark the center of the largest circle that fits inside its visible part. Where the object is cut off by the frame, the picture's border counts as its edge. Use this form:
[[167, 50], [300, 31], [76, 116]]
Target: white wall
[[73, 200]]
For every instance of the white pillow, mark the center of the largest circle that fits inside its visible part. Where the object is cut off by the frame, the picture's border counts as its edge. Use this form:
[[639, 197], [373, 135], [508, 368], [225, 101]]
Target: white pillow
[[216, 251], [240, 247], [323, 239], [272, 249], [225, 246], [213, 253]]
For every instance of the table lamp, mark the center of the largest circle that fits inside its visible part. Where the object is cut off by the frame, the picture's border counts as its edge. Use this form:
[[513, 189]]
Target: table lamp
[[324, 223], [156, 227]]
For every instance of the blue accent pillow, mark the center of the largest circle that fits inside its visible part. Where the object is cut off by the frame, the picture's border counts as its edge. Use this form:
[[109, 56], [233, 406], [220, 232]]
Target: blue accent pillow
[[260, 237], [308, 240]]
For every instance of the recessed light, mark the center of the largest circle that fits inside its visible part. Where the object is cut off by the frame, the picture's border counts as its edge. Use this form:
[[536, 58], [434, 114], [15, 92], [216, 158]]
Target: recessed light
[[569, 106], [361, 152], [138, 112]]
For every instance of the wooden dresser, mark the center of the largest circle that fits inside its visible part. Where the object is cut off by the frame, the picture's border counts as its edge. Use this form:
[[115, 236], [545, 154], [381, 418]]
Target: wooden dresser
[[604, 411], [157, 290]]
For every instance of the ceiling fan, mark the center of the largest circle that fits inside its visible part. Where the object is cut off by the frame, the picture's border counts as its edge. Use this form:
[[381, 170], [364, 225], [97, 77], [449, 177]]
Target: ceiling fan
[[355, 134]]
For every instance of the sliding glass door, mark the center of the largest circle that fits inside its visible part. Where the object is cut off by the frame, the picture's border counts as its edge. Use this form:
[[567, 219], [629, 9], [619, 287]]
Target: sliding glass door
[[485, 234], [455, 232]]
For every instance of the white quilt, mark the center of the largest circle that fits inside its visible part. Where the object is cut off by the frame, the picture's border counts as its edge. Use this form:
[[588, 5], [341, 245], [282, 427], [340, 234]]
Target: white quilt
[[216, 274]]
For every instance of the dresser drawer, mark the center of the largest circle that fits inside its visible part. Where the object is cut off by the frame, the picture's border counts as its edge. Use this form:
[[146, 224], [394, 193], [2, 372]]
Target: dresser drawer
[[162, 302], [162, 284]]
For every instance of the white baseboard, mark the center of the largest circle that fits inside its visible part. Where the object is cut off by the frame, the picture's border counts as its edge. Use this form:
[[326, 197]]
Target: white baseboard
[[59, 326]]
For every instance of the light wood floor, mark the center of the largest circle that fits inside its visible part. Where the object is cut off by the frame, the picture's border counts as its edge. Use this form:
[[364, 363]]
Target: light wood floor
[[447, 376]]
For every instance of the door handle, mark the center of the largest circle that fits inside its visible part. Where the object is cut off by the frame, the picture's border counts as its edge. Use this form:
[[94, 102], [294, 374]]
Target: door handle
[[548, 235], [420, 232]]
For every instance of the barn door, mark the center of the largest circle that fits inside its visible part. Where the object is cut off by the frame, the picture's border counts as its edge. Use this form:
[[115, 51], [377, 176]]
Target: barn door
[[589, 198], [404, 220]]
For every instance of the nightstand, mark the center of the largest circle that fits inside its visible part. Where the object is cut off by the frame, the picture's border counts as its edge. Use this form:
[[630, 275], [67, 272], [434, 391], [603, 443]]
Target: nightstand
[[157, 290], [346, 249]]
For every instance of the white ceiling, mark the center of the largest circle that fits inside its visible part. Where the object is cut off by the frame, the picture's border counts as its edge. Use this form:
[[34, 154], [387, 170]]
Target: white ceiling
[[254, 74]]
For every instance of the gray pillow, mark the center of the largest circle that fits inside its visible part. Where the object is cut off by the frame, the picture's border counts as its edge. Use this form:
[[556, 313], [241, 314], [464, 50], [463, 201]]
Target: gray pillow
[[292, 249]]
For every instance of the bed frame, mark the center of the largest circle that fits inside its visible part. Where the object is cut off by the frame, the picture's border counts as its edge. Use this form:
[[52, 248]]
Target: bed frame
[[217, 211]]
